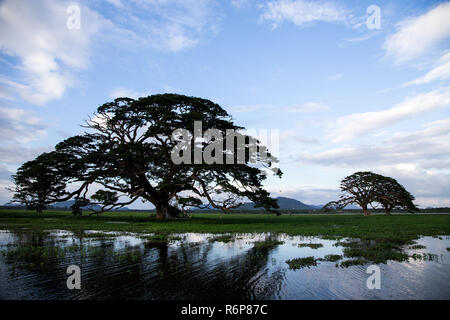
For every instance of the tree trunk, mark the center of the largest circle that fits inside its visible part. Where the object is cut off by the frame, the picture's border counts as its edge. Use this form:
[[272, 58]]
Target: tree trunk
[[388, 211], [366, 211], [166, 211], [39, 208]]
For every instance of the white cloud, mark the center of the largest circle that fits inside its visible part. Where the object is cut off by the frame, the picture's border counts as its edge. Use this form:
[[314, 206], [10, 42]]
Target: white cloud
[[430, 188], [419, 160], [117, 3], [239, 3], [360, 39], [334, 77], [36, 32], [251, 108], [417, 36], [308, 107], [168, 25], [128, 93], [430, 143], [440, 72], [19, 126], [49, 53], [301, 12], [288, 136], [355, 125], [5, 174], [17, 154]]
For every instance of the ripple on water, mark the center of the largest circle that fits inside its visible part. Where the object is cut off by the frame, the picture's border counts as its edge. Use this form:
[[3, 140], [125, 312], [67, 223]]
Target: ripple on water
[[125, 265]]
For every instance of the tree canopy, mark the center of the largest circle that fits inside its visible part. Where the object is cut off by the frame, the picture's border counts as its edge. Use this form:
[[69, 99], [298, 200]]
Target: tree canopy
[[368, 188], [392, 195], [128, 150], [38, 183]]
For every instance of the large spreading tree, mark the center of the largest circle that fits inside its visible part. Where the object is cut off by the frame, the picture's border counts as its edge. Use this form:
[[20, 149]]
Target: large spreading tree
[[128, 151]]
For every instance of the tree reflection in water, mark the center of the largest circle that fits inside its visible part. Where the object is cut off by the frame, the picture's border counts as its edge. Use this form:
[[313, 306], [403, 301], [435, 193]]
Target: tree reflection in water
[[143, 271]]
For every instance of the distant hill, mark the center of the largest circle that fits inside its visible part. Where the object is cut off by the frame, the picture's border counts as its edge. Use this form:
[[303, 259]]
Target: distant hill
[[69, 203], [284, 204], [353, 207]]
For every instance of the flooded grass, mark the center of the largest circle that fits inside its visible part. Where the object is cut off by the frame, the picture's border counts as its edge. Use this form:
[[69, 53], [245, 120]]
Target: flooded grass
[[299, 263], [333, 226], [310, 245], [251, 265], [267, 243], [160, 238], [43, 255], [331, 258], [377, 251], [352, 262], [224, 238], [425, 256], [417, 246], [33, 253]]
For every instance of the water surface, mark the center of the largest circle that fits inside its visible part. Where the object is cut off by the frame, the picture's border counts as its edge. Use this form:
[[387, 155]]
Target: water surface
[[125, 266]]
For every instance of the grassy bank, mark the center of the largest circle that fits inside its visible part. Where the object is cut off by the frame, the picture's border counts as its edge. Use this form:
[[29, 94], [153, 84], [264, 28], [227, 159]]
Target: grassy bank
[[373, 227]]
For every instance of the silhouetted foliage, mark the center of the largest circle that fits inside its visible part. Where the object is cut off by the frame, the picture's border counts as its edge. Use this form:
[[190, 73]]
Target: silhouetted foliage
[[77, 207], [127, 151], [392, 195], [39, 183], [366, 188], [332, 206]]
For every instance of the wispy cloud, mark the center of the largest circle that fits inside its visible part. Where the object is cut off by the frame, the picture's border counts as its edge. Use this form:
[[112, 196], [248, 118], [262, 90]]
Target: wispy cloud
[[358, 124], [168, 25], [301, 12], [50, 54], [48, 51], [20, 126], [416, 36], [334, 77], [248, 108], [308, 107], [418, 159], [18, 129], [126, 92], [439, 72], [431, 142], [239, 3]]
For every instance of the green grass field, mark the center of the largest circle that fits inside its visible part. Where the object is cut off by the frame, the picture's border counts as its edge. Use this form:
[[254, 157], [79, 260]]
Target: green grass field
[[403, 226]]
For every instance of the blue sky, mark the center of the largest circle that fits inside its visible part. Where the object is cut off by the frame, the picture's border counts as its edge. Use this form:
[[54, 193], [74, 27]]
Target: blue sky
[[344, 96]]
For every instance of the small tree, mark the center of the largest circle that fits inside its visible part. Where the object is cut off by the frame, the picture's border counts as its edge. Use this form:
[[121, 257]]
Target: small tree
[[360, 188], [37, 183], [77, 207], [365, 188], [332, 206]]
